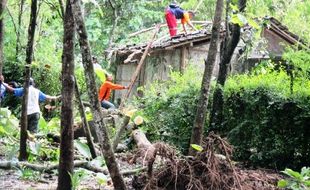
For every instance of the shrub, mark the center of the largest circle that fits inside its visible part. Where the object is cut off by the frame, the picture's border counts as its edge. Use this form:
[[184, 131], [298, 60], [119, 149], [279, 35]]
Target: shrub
[[169, 108], [267, 124]]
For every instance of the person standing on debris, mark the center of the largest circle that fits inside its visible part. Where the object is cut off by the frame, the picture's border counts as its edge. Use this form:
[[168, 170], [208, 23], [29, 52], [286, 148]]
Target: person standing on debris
[[34, 97], [105, 92], [174, 12]]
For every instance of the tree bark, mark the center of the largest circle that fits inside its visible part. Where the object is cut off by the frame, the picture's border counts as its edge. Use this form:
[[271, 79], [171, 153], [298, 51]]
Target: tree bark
[[228, 47], [114, 21], [120, 131], [85, 123], [199, 123], [102, 133], [66, 139], [62, 9], [19, 22], [2, 8], [29, 54]]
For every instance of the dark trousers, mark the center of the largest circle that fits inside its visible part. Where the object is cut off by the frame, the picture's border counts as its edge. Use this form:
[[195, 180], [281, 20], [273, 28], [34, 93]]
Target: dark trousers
[[107, 105], [33, 121]]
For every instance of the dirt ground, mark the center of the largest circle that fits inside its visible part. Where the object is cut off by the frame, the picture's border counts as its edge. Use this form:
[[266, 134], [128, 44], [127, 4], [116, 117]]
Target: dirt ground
[[11, 180]]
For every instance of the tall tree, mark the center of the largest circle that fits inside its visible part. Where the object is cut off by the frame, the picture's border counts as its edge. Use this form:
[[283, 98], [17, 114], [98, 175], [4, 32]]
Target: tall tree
[[2, 7], [20, 15], [199, 123], [228, 47], [67, 93], [107, 151], [29, 54]]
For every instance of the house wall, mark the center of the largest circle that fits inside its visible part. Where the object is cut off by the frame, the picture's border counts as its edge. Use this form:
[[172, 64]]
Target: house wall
[[157, 66]]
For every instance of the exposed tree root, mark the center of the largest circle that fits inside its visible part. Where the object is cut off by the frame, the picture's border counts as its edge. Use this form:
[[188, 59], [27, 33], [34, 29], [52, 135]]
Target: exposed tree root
[[211, 169]]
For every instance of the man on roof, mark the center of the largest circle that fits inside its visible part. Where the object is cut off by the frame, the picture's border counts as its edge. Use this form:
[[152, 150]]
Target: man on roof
[[174, 12]]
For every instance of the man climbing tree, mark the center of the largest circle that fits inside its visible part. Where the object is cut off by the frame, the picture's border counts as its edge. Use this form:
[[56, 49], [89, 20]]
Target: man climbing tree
[[174, 12]]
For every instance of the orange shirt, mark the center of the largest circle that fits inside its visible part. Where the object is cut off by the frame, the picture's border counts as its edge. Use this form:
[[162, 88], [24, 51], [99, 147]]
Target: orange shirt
[[105, 90], [185, 18]]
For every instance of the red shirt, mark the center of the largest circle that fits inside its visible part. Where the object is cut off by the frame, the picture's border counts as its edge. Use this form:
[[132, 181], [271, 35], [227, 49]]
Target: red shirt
[[105, 90]]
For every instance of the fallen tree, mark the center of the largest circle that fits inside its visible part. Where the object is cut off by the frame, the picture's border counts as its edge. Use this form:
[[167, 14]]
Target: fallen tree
[[211, 168], [49, 167]]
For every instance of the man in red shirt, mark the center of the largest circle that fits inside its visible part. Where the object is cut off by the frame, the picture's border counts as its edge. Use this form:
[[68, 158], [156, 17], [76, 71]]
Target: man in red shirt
[[105, 92], [174, 12]]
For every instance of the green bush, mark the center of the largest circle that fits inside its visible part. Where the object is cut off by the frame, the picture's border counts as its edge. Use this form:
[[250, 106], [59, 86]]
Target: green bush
[[169, 108], [267, 124]]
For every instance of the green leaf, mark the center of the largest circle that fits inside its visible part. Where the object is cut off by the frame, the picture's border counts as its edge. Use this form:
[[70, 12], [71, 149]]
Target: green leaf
[[292, 173], [197, 147], [234, 7], [101, 178], [235, 20], [98, 162], [100, 74], [253, 24], [282, 183], [307, 183], [34, 147], [82, 148]]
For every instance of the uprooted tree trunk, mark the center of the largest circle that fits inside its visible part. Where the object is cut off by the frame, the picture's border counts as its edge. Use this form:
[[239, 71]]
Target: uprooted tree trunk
[[67, 93], [227, 49], [199, 123], [29, 54], [211, 168], [102, 132], [148, 151]]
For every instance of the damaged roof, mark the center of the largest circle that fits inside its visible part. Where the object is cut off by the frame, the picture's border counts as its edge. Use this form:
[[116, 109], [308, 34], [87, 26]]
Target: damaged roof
[[202, 36], [282, 30], [169, 43]]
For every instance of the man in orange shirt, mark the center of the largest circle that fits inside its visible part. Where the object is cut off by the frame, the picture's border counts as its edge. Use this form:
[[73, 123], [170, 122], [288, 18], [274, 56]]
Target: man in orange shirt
[[105, 92], [174, 12]]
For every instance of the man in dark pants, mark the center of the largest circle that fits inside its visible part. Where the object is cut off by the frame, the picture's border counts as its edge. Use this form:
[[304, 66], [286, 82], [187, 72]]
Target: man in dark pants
[[34, 97]]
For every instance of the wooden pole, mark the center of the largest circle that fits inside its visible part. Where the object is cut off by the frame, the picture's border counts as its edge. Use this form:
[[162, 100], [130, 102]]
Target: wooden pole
[[163, 25], [138, 69]]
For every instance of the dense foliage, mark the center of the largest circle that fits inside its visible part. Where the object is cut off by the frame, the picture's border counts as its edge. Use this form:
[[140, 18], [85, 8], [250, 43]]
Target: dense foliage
[[267, 123], [169, 108]]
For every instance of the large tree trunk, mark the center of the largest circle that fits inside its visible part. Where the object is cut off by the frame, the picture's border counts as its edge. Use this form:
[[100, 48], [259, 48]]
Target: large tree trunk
[[102, 133], [115, 19], [199, 123], [29, 54], [85, 122], [66, 139], [2, 7], [20, 15], [228, 47]]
